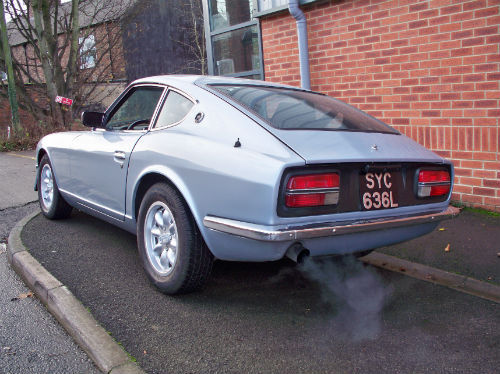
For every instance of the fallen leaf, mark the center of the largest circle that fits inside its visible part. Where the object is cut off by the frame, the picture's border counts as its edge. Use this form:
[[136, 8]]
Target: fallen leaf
[[22, 296], [25, 295], [447, 248], [402, 269], [442, 229]]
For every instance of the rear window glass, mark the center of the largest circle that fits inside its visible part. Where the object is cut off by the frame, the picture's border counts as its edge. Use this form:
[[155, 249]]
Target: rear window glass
[[291, 109]]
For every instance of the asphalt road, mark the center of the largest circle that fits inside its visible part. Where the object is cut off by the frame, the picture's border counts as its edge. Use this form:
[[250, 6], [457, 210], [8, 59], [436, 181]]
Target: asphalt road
[[31, 340], [269, 318]]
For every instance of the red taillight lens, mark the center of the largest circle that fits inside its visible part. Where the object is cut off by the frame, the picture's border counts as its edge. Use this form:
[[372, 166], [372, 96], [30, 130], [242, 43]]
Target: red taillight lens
[[302, 182], [433, 183], [312, 190], [303, 200], [432, 176]]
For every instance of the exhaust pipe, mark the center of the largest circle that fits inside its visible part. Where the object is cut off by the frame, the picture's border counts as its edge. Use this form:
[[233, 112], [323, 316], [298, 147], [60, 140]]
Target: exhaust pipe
[[297, 253]]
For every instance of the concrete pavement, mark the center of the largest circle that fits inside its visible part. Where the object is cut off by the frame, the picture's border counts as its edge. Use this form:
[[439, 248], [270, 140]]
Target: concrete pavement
[[17, 176], [31, 340]]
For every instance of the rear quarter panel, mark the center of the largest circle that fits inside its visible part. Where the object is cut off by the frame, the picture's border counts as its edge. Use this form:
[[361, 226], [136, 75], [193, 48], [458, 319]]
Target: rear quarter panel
[[213, 175]]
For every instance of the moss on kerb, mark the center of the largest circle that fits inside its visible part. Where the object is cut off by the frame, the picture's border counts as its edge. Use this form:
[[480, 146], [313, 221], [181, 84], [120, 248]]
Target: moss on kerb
[[462, 206]]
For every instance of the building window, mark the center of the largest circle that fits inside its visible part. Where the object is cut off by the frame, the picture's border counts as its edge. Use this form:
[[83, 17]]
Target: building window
[[88, 52], [271, 4], [233, 38], [236, 51]]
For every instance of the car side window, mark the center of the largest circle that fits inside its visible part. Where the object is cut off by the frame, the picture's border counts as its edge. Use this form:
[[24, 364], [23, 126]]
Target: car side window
[[174, 109], [134, 112]]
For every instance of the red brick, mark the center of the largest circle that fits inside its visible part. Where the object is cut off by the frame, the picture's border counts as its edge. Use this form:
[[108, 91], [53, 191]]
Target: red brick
[[492, 202], [487, 12], [471, 181], [474, 5], [484, 174], [463, 172], [483, 191], [493, 183], [451, 9], [473, 41], [471, 198]]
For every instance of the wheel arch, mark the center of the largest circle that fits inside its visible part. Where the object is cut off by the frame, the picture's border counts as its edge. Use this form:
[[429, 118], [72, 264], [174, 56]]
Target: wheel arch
[[149, 179], [41, 152]]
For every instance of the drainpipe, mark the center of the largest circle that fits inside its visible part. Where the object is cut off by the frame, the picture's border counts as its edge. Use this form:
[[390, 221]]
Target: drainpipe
[[293, 7]]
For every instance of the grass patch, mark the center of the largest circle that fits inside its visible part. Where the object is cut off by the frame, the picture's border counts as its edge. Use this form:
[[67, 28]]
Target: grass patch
[[475, 210]]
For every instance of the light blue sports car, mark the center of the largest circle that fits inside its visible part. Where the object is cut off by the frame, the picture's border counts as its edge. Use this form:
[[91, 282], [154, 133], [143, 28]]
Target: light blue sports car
[[205, 168]]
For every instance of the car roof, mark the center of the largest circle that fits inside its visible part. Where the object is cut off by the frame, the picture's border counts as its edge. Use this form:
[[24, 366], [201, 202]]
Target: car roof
[[202, 80]]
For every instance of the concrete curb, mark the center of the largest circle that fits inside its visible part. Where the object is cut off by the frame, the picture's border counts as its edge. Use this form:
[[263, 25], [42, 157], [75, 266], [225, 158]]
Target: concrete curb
[[457, 282], [107, 355]]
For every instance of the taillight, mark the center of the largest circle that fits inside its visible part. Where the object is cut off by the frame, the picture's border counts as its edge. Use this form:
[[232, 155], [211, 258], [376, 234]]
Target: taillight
[[433, 183], [312, 190]]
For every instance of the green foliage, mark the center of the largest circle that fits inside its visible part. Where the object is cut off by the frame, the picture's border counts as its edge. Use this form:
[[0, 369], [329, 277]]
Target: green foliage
[[18, 143]]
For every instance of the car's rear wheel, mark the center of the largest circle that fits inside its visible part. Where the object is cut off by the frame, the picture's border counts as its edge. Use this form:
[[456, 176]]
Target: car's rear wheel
[[173, 252], [51, 202]]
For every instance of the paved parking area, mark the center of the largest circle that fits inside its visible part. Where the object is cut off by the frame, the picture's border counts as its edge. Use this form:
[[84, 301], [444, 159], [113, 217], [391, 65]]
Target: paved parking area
[[31, 340], [269, 318], [17, 176]]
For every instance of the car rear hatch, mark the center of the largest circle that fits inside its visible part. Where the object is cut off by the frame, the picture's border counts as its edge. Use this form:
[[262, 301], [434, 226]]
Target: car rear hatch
[[319, 147], [375, 171]]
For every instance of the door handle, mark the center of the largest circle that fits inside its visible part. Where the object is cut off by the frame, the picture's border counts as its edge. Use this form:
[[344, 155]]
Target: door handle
[[120, 156]]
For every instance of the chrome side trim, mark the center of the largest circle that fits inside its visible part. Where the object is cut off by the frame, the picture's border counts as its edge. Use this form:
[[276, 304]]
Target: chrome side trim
[[286, 233], [94, 206]]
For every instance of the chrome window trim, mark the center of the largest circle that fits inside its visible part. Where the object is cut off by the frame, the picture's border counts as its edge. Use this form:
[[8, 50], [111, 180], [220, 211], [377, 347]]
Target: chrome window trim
[[125, 93], [152, 125]]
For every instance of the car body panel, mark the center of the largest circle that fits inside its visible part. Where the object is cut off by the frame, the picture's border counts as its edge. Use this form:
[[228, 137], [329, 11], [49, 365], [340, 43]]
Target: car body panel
[[229, 165], [98, 173], [321, 147]]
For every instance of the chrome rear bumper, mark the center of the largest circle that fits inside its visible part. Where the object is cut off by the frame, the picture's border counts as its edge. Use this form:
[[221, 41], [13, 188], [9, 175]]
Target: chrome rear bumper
[[286, 233]]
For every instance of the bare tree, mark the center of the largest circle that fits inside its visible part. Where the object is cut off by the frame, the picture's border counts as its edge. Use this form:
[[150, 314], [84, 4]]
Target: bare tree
[[194, 38], [63, 49]]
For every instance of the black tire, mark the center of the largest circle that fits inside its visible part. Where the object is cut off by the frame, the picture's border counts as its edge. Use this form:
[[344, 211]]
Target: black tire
[[56, 207], [193, 260]]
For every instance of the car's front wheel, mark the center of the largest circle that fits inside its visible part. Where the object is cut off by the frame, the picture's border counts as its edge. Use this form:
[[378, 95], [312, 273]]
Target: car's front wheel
[[173, 252], [51, 202]]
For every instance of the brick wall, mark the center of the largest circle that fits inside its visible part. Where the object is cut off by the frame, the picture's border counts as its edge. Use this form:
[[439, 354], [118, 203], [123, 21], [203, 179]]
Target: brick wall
[[431, 69]]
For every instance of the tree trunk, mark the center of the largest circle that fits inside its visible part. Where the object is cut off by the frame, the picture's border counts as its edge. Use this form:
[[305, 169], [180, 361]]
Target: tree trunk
[[14, 109]]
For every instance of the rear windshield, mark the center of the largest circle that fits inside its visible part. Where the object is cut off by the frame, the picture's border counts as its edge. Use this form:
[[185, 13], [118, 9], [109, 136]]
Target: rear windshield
[[291, 109]]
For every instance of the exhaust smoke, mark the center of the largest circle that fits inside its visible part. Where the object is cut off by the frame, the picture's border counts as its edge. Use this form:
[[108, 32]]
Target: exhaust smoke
[[355, 291]]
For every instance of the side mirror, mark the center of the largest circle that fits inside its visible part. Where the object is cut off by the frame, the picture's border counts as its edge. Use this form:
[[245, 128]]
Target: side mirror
[[92, 119]]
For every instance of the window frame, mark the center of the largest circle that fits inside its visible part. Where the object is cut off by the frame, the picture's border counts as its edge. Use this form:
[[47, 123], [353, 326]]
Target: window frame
[[84, 54], [209, 35], [160, 107], [110, 111]]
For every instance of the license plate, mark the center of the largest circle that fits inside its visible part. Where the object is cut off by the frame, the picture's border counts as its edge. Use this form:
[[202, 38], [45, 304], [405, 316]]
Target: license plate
[[378, 189]]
